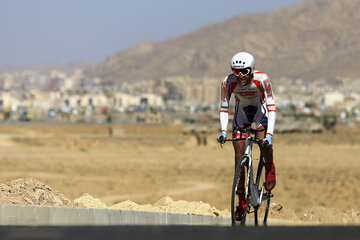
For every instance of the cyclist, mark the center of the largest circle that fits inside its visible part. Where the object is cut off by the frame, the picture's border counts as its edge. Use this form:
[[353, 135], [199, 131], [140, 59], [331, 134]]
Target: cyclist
[[254, 103]]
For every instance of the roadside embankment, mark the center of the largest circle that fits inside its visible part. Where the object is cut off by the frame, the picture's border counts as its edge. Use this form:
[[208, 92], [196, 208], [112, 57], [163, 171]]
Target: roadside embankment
[[62, 216], [31, 202]]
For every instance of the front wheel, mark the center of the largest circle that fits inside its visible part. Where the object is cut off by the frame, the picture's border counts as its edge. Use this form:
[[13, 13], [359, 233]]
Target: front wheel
[[261, 212], [240, 173]]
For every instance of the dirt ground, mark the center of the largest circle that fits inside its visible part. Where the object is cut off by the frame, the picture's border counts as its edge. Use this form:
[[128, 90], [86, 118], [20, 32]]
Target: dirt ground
[[317, 174]]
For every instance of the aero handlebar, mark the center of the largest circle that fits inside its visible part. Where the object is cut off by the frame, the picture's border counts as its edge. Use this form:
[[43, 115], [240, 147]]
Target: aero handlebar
[[247, 130]]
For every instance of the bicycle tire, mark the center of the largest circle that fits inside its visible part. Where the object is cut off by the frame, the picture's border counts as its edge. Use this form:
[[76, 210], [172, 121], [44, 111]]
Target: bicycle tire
[[261, 212], [234, 196]]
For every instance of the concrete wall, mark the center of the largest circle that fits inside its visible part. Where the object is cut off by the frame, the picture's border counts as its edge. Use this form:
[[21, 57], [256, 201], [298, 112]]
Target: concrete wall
[[61, 216]]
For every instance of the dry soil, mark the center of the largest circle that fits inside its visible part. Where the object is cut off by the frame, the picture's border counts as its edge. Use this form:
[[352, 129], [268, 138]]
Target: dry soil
[[160, 168]]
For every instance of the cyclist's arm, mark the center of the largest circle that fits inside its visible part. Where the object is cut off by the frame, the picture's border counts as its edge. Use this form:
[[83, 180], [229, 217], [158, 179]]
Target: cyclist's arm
[[224, 103], [270, 105]]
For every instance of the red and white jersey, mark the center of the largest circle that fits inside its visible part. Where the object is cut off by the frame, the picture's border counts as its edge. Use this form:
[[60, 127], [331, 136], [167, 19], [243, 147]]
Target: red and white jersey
[[253, 103]]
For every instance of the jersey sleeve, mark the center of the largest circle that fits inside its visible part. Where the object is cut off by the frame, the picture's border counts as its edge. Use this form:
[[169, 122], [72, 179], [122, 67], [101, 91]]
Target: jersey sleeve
[[270, 106], [224, 104]]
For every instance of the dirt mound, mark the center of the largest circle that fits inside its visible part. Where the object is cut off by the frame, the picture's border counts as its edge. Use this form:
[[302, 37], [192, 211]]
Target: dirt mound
[[29, 191], [89, 201], [130, 205], [165, 204]]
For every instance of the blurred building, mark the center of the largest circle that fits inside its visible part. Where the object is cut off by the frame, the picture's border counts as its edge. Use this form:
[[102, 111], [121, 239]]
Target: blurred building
[[332, 98], [196, 92]]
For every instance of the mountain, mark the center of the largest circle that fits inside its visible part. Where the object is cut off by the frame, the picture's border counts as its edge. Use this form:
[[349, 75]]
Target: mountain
[[83, 65], [50, 66], [312, 39]]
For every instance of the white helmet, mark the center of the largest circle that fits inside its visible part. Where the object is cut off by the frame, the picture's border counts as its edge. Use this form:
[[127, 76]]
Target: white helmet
[[243, 60]]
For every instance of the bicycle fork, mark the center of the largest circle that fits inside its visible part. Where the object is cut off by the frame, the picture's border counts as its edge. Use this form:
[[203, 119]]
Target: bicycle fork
[[256, 197]]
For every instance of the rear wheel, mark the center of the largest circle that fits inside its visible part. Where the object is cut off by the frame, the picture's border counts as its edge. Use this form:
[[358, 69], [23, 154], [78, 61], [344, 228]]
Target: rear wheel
[[240, 172], [261, 212]]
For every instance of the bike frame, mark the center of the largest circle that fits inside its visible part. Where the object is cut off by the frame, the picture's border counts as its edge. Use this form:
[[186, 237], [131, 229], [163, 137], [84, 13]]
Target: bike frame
[[254, 195], [256, 198]]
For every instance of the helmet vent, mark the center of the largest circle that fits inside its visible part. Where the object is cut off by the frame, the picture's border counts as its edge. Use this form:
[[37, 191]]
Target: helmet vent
[[242, 60]]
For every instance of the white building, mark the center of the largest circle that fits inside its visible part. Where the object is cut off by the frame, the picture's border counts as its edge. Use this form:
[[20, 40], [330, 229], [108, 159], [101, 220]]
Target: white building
[[125, 100], [332, 98], [7, 100], [152, 100]]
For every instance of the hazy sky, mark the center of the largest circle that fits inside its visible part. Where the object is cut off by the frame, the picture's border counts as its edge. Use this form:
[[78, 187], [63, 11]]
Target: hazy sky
[[62, 31]]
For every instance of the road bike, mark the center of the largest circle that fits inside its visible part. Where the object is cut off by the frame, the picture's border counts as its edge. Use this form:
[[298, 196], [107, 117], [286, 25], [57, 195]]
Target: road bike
[[257, 198]]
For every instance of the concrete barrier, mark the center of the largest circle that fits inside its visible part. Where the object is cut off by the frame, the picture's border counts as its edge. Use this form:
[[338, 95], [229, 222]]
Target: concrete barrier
[[61, 216]]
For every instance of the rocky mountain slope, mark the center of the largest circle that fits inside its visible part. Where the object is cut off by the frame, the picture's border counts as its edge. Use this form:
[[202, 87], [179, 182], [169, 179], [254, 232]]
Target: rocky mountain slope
[[311, 39]]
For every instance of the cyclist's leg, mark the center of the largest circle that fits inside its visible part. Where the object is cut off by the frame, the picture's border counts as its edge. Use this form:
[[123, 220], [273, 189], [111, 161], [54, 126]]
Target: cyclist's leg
[[267, 153], [239, 149], [239, 146]]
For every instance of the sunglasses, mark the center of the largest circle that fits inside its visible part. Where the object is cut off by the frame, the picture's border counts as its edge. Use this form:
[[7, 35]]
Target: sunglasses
[[243, 72]]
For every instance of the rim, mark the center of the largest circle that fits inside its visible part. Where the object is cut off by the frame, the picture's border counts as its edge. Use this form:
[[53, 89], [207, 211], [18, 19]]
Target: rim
[[235, 200]]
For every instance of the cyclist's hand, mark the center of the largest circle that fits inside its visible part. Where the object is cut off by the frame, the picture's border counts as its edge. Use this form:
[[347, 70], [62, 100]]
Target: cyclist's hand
[[222, 137], [268, 141]]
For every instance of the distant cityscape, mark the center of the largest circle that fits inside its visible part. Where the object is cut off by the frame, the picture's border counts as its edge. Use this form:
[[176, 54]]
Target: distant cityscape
[[61, 97]]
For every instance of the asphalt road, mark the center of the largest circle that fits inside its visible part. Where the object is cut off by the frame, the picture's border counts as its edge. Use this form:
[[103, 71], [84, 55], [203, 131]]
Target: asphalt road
[[180, 232]]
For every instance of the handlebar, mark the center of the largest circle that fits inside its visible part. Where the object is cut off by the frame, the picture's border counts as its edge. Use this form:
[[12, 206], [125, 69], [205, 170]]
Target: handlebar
[[239, 139], [266, 143], [248, 130]]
